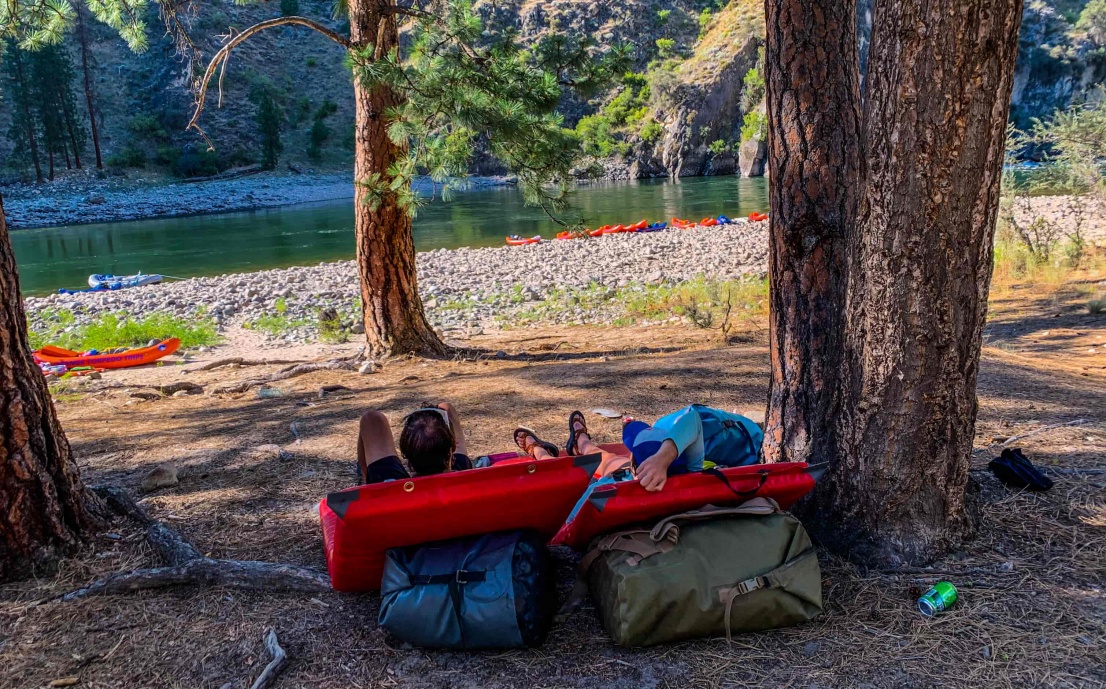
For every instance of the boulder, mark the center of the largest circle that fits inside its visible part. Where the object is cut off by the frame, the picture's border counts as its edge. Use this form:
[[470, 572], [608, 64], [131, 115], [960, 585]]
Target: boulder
[[752, 157], [161, 476]]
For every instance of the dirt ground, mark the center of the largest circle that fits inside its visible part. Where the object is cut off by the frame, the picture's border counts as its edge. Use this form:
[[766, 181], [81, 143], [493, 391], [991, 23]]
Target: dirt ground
[[1032, 609]]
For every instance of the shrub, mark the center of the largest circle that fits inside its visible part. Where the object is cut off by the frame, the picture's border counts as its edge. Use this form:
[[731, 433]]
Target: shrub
[[755, 126], [194, 162], [1096, 306], [718, 147], [666, 48], [705, 18], [130, 156], [651, 131]]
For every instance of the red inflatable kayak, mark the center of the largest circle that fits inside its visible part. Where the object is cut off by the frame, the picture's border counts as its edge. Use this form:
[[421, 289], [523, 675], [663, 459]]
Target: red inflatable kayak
[[361, 524], [132, 357], [515, 240], [615, 505], [758, 217]]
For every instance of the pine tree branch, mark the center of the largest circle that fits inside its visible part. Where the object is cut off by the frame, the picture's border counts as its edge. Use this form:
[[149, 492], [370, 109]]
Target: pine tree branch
[[220, 57]]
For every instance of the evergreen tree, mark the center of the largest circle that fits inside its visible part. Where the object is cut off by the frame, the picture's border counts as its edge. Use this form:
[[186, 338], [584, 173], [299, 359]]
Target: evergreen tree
[[269, 120], [55, 107], [19, 94]]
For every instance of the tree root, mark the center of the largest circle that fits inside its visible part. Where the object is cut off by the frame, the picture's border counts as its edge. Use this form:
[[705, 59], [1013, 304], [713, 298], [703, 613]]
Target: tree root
[[275, 665], [186, 566], [285, 374]]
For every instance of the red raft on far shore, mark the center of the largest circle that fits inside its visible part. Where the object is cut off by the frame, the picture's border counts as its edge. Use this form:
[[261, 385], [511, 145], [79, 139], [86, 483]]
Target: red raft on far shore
[[56, 356]]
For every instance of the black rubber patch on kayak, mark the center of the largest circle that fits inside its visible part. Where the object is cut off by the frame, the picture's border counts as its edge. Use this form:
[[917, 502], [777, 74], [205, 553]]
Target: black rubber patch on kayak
[[817, 471], [588, 462], [339, 502], [600, 496]]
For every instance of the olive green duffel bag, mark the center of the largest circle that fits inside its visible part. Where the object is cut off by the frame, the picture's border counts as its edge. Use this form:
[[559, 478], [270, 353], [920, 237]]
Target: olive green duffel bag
[[707, 572]]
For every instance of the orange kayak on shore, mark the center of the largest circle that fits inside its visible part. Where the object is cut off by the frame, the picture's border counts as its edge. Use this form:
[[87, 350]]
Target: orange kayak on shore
[[132, 357]]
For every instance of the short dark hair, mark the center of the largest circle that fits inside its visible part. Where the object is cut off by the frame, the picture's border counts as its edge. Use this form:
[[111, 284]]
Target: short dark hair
[[426, 442]]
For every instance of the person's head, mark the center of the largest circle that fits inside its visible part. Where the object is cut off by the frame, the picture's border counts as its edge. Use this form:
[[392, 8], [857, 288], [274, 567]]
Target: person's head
[[426, 441]]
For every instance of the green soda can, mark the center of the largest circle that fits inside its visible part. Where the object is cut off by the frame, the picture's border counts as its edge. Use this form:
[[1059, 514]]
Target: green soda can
[[938, 599]]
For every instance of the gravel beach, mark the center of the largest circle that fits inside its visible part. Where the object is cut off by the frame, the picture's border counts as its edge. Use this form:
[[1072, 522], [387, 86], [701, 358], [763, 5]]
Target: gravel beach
[[465, 290], [84, 199]]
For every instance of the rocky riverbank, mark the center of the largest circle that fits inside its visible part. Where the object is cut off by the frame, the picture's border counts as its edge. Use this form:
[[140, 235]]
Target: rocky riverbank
[[83, 198], [465, 290]]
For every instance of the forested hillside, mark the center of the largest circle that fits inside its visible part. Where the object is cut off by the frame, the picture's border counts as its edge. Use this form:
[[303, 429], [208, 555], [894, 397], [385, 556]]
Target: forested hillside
[[693, 98]]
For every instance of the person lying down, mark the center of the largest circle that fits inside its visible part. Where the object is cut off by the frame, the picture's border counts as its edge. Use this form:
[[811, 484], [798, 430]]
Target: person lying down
[[432, 441], [687, 440]]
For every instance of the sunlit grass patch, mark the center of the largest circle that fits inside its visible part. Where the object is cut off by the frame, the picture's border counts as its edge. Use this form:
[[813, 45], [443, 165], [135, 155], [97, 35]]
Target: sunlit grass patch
[[110, 330]]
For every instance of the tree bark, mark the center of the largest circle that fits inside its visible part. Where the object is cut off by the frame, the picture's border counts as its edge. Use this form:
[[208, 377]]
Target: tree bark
[[72, 140], [940, 78], [395, 322], [83, 36], [44, 504], [814, 165], [899, 384]]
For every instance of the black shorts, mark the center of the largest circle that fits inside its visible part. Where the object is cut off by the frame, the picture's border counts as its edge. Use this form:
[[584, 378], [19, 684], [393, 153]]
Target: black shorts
[[391, 469]]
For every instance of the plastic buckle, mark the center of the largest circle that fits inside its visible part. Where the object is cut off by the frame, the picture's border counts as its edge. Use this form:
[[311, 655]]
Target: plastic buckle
[[458, 578], [749, 585]]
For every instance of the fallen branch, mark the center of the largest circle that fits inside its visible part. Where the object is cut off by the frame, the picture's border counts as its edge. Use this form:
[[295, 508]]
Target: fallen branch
[[275, 665], [1013, 439], [1092, 471], [244, 575], [247, 362], [187, 567], [285, 374]]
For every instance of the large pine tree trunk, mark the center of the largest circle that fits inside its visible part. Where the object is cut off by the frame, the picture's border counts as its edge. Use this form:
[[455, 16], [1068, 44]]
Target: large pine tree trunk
[[814, 165], [395, 322], [939, 78], [917, 272], [43, 505], [82, 34]]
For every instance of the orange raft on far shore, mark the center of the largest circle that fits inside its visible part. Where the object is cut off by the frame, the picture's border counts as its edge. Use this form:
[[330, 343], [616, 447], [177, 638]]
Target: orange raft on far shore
[[57, 356]]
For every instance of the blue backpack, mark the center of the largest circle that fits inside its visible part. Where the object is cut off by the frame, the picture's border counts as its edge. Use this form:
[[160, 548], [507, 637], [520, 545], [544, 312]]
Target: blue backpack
[[729, 440]]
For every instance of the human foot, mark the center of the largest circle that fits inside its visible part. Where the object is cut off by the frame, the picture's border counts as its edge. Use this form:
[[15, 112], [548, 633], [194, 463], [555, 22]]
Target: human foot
[[529, 442], [577, 429]]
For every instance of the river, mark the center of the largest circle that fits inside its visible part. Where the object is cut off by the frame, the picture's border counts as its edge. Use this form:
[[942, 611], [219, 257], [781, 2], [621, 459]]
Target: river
[[56, 257]]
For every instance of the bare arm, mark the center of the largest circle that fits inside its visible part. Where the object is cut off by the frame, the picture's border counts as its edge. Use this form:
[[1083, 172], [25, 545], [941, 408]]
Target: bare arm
[[460, 446]]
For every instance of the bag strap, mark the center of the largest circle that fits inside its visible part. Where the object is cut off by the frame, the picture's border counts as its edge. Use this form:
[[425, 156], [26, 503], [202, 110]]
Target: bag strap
[[715, 472], [637, 542], [461, 576], [731, 423], [667, 529], [770, 579]]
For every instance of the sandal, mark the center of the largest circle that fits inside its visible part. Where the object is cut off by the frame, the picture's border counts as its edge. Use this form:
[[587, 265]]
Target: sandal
[[574, 418], [522, 432]]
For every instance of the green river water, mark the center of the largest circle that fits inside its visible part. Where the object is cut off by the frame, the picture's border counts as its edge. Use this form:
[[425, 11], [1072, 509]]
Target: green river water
[[51, 258]]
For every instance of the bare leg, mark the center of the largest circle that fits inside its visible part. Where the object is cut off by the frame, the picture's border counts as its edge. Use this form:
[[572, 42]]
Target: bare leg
[[608, 461], [374, 441]]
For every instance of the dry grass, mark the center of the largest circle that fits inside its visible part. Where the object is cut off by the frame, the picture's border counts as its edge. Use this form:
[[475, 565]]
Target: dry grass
[[1032, 609]]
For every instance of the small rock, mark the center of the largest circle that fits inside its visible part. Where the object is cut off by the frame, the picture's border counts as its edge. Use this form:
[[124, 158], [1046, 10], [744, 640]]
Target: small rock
[[95, 375], [501, 354], [182, 393], [1006, 567], [986, 652], [357, 329], [266, 452], [162, 476], [96, 199], [367, 368], [812, 648]]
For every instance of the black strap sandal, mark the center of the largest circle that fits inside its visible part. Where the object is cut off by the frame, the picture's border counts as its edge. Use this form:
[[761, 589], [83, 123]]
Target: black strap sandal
[[573, 418], [522, 432]]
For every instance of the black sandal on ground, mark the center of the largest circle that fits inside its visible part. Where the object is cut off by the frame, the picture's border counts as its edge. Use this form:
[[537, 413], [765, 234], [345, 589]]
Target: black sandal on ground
[[523, 432], [573, 418]]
